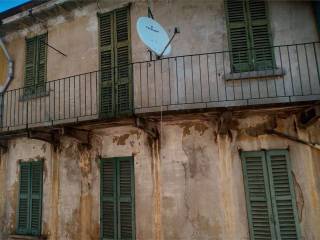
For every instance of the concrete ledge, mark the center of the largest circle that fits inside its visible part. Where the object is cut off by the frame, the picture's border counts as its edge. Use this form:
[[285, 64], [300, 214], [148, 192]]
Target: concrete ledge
[[279, 72]]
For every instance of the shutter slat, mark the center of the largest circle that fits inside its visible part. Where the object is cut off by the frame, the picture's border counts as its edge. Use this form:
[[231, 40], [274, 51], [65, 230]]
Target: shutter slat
[[261, 42], [108, 196], [106, 65], [283, 195], [238, 35], [42, 62], [123, 80], [126, 198], [23, 212], [257, 195], [30, 65], [36, 197]]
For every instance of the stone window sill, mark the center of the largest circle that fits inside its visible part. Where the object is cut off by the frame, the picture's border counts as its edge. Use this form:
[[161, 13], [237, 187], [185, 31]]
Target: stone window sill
[[278, 72], [25, 237], [26, 97]]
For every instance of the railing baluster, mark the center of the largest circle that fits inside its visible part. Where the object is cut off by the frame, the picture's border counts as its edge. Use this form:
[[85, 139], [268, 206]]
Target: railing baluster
[[209, 85], [308, 70], [192, 80], [184, 80], [281, 68], [177, 80], [216, 71], [299, 70], [169, 71], [85, 94], [290, 70], [200, 78]]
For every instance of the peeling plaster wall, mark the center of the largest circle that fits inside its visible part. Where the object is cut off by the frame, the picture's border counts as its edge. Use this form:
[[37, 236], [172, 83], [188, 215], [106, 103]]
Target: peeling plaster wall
[[203, 29], [188, 185]]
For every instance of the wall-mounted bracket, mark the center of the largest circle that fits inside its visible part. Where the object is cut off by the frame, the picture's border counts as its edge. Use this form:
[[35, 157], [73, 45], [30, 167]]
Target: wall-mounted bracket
[[150, 127], [82, 135], [309, 116], [225, 122], [4, 145], [52, 137]]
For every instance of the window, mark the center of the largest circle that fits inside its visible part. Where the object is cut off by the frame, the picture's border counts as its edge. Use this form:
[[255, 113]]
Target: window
[[270, 197], [35, 64], [117, 198], [114, 38], [30, 198], [249, 35]]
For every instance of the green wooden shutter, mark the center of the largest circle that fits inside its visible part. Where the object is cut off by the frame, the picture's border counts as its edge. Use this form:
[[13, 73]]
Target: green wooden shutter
[[125, 189], [283, 197], [30, 65], [106, 65], [238, 35], [36, 64], [30, 198], [36, 197], [108, 199], [259, 207], [117, 199], [41, 61], [23, 212], [123, 68], [260, 34]]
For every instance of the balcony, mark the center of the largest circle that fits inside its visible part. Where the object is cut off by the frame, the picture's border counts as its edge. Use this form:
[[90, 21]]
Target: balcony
[[198, 81]]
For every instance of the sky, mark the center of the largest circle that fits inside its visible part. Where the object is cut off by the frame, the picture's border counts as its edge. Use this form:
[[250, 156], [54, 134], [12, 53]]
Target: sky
[[7, 4]]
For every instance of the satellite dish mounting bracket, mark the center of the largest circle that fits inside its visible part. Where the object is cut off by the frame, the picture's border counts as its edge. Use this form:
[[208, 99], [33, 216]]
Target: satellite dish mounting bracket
[[176, 31]]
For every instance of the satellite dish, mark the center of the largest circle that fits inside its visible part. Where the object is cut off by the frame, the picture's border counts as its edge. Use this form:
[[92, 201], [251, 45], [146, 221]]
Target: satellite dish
[[153, 35]]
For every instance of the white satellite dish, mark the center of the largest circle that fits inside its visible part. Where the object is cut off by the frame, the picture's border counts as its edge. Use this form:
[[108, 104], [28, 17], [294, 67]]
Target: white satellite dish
[[153, 35]]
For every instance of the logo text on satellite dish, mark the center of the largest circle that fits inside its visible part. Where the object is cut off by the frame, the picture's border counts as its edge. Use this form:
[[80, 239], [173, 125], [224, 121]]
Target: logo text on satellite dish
[[154, 36]]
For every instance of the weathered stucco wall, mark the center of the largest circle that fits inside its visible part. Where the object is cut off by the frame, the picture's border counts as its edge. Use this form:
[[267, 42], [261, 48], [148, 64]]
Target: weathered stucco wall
[[198, 79], [188, 184]]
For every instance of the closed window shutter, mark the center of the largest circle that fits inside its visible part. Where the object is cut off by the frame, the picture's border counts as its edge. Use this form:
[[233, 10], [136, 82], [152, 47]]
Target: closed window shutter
[[30, 65], [106, 64], [257, 195], [23, 212], [36, 64], [238, 35], [30, 198], [261, 42], [125, 198], [283, 196], [117, 199], [108, 199], [122, 53], [36, 197], [41, 61]]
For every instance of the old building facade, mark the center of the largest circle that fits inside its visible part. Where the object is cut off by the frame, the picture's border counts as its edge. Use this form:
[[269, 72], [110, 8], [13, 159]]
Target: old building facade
[[219, 140]]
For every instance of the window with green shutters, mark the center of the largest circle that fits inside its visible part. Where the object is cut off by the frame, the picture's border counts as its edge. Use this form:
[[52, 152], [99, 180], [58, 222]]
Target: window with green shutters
[[249, 35], [35, 64], [30, 198], [116, 76], [271, 204], [117, 198]]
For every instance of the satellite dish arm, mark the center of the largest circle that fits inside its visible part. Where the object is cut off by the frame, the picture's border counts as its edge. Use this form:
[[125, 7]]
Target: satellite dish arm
[[150, 15], [176, 30]]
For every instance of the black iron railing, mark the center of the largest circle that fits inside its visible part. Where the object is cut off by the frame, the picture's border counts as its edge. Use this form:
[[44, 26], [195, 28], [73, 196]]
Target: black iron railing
[[183, 82], [210, 80], [70, 99]]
